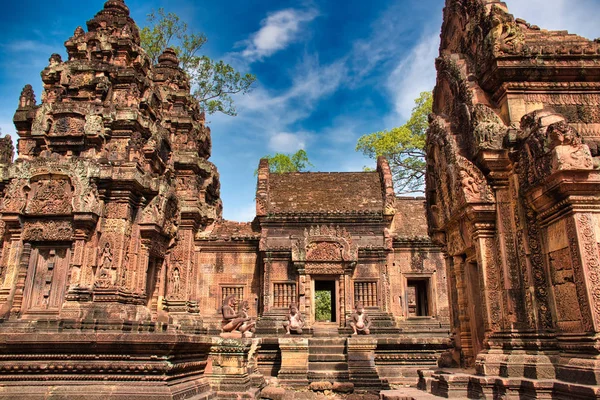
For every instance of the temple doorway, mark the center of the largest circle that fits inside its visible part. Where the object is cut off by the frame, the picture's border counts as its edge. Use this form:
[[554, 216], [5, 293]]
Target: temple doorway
[[325, 301], [46, 279]]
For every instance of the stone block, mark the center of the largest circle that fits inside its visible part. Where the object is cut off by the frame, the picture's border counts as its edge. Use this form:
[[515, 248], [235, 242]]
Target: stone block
[[343, 387], [321, 386], [272, 393]]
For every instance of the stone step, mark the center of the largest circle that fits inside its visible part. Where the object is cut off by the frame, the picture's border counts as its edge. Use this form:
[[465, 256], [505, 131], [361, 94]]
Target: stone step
[[332, 376], [327, 350], [334, 341], [338, 357], [328, 366]]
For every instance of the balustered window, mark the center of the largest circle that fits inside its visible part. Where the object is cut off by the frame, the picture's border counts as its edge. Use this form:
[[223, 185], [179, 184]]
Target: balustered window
[[284, 294], [365, 293], [238, 291]]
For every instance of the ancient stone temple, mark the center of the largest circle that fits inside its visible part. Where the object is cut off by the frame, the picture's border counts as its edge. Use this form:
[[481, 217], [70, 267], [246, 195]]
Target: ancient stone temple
[[119, 278], [512, 195]]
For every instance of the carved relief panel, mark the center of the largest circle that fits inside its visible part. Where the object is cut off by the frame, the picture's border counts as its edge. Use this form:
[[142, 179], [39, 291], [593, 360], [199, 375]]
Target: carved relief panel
[[50, 196], [46, 279]]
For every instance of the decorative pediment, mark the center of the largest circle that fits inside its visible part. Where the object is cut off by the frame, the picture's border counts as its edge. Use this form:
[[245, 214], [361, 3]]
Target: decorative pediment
[[324, 244], [53, 189], [162, 211]]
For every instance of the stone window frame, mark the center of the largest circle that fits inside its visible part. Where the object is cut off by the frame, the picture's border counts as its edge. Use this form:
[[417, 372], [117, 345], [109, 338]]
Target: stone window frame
[[284, 282], [377, 294], [223, 286]]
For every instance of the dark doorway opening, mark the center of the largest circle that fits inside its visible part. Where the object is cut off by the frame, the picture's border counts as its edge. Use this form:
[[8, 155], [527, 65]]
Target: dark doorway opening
[[417, 293], [325, 301]]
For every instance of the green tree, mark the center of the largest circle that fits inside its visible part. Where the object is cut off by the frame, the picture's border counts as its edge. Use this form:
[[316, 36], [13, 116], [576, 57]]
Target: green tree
[[213, 82], [280, 163], [403, 146], [323, 305]]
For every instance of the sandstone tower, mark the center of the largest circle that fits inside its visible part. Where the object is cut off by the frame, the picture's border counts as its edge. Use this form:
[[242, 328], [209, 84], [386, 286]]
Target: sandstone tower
[[512, 192]]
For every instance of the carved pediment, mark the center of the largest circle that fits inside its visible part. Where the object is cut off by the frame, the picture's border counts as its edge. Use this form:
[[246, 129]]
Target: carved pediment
[[50, 196], [325, 244]]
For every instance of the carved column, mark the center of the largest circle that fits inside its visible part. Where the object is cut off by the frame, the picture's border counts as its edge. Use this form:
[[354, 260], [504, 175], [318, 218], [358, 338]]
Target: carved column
[[465, 339], [491, 279], [303, 280], [267, 285], [344, 281]]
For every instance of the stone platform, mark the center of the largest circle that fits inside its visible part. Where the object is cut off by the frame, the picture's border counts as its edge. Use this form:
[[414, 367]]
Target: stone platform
[[101, 365]]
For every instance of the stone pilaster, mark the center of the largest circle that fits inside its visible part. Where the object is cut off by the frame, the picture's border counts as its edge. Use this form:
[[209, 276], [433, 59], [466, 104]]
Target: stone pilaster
[[294, 362], [464, 338], [227, 370], [361, 363]]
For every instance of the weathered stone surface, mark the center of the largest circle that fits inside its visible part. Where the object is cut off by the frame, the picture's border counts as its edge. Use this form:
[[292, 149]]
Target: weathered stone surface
[[320, 386], [343, 387], [111, 221], [272, 393], [512, 178]]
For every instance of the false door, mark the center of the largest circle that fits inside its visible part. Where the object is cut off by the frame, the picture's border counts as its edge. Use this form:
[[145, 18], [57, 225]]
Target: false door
[[46, 282]]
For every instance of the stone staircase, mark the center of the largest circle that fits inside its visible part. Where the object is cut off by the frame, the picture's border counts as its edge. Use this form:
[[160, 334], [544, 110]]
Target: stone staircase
[[327, 355]]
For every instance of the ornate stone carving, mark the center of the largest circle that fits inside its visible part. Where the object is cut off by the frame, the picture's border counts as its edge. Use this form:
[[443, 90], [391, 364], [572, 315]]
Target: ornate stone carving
[[7, 150], [106, 272], [53, 230], [550, 145], [50, 196], [505, 36]]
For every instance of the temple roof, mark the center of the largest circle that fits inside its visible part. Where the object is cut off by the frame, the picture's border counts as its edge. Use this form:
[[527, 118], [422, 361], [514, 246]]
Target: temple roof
[[410, 221], [230, 230], [310, 192]]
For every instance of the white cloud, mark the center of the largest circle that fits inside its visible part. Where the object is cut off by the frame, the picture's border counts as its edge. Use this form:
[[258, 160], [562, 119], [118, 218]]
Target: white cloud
[[31, 46], [413, 75], [278, 30], [574, 16], [287, 142]]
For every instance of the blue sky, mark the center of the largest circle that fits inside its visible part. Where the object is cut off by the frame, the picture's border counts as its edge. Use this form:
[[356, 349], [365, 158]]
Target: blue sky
[[328, 70]]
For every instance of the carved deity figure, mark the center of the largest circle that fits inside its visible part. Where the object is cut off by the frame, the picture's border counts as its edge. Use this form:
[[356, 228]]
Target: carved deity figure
[[235, 321], [247, 326], [294, 322], [469, 184], [175, 281], [360, 321], [104, 275]]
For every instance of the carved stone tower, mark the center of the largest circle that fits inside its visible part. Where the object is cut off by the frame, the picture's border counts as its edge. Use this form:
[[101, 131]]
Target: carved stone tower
[[512, 193]]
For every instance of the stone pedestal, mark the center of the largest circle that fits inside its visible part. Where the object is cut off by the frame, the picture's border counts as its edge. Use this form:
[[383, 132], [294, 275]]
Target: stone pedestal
[[294, 361], [361, 363], [227, 370]]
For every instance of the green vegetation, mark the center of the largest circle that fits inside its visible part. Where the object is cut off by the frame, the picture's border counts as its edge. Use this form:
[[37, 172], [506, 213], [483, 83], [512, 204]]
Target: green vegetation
[[403, 146], [323, 305], [213, 82], [280, 163]]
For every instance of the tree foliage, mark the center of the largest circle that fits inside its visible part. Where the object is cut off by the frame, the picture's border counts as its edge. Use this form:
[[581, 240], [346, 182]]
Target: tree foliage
[[323, 305], [213, 82], [403, 146], [280, 163]]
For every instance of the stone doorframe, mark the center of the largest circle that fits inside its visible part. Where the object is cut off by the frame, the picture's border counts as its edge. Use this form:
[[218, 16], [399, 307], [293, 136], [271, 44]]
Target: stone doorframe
[[324, 251]]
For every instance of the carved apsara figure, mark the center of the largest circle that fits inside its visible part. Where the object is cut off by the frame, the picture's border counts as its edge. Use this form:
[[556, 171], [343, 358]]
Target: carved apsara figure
[[104, 275], [294, 322], [175, 281], [360, 321], [235, 321]]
